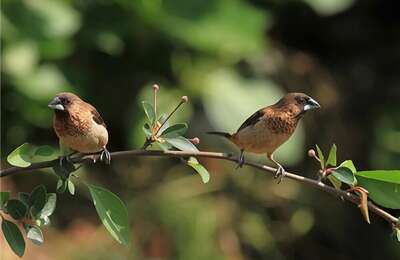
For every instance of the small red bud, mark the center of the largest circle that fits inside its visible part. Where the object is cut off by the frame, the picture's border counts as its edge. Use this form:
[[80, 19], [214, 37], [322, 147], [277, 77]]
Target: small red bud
[[195, 140], [311, 153]]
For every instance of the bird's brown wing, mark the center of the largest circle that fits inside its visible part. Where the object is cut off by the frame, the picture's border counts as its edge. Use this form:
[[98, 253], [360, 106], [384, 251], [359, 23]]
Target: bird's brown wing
[[96, 117], [253, 119]]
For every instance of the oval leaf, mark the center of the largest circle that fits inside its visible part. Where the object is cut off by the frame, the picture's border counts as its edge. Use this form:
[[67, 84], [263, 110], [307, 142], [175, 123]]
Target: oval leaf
[[174, 131], [50, 205], [35, 235], [149, 110], [349, 164], [21, 156], [71, 187], [332, 156], [345, 175], [44, 153], [112, 212], [205, 176], [382, 175], [16, 209], [4, 196], [38, 199], [320, 156], [335, 182], [182, 144], [384, 193], [14, 237], [24, 198]]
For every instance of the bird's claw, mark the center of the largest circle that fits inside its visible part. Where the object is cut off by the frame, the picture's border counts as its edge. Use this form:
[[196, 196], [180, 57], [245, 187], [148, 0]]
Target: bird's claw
[[105, 156], [241, 160], [279, 174]]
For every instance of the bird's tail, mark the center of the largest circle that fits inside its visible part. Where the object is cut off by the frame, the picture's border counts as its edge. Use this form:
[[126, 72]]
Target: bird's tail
[[226, 135]]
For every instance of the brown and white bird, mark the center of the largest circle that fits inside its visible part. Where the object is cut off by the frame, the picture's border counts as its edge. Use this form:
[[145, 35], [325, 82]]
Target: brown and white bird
[[270, 127], [79, 126]]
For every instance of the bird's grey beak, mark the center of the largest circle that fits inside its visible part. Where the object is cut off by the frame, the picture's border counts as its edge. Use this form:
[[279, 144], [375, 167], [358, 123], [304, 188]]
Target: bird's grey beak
[[311, 104], [56, 104]]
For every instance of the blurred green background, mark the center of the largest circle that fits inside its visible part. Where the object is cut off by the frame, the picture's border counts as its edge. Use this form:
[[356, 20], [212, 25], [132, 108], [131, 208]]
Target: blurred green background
[[230, 57]]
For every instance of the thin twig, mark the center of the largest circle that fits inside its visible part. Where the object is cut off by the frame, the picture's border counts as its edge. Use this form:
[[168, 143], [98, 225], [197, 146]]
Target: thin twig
[[90, 158]]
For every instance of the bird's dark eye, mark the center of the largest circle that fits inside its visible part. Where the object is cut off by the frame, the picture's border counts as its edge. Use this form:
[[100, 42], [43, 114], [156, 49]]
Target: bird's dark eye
[[301, 100], [65, 100]]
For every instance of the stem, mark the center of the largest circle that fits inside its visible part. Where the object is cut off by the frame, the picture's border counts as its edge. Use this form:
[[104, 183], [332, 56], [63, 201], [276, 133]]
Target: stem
[[170, 114], [88, 158]]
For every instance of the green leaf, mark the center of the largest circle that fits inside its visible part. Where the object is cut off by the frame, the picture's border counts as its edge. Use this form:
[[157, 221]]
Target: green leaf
[[24, 197], [382, 175], [147, 130], [174, 131], [162, 118], [61, 186], [181, 143], [320, 156], [345, 175], [383, 187], [38, 199], [71, 187], [349, 164], [26, 154], [205, 176], [332, 156], [149, 110], [35, 235], [44, 153], [43, 221], [164, 146], [16, 209], [4, 196], [112, 212], [14, 237], [50, 205], [21, 156], [398, 234], [335, 182]]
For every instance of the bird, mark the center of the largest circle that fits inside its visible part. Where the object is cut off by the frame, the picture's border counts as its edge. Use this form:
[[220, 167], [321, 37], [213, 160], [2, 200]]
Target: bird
[[79, 126], [270, 127]]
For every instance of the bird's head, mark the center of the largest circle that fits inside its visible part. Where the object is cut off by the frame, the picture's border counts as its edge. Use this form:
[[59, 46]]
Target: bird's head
[[298, 103], [64, 101]]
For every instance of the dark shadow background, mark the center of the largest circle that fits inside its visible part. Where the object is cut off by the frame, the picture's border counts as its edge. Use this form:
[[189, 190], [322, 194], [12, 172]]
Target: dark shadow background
[[230, 57]]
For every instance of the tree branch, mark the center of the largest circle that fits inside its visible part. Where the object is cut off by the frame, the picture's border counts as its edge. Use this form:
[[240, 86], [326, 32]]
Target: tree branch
[[91, 158]]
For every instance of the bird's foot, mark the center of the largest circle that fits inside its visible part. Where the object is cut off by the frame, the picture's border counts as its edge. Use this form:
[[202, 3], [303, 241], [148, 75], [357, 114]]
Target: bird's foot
[[241, 160], [105, 156], [280, 173]]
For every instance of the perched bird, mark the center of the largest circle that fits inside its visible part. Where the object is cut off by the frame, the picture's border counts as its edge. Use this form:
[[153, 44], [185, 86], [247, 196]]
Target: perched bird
[[79, 126], [270, 127]]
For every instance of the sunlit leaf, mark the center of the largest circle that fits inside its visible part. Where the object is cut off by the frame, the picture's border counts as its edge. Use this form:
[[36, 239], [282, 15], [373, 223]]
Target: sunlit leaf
[[174, 131], [16, 209], [149, 110], [50, 205], [320, 156], [4, 196], [14, 237], [332, 156], [194, 163], [182, 144], [383, 187], [112, 212], [21, 156], [35, 235], [349, 164], [71, 187]]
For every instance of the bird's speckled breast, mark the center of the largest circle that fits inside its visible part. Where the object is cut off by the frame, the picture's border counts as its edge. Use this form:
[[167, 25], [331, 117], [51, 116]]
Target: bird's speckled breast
[[266, 135], [85, 136]]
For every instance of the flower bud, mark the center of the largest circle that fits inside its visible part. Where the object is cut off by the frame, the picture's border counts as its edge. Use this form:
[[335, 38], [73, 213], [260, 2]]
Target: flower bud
[[195, 140], [185, 99], [311, 153], [156, 87]]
